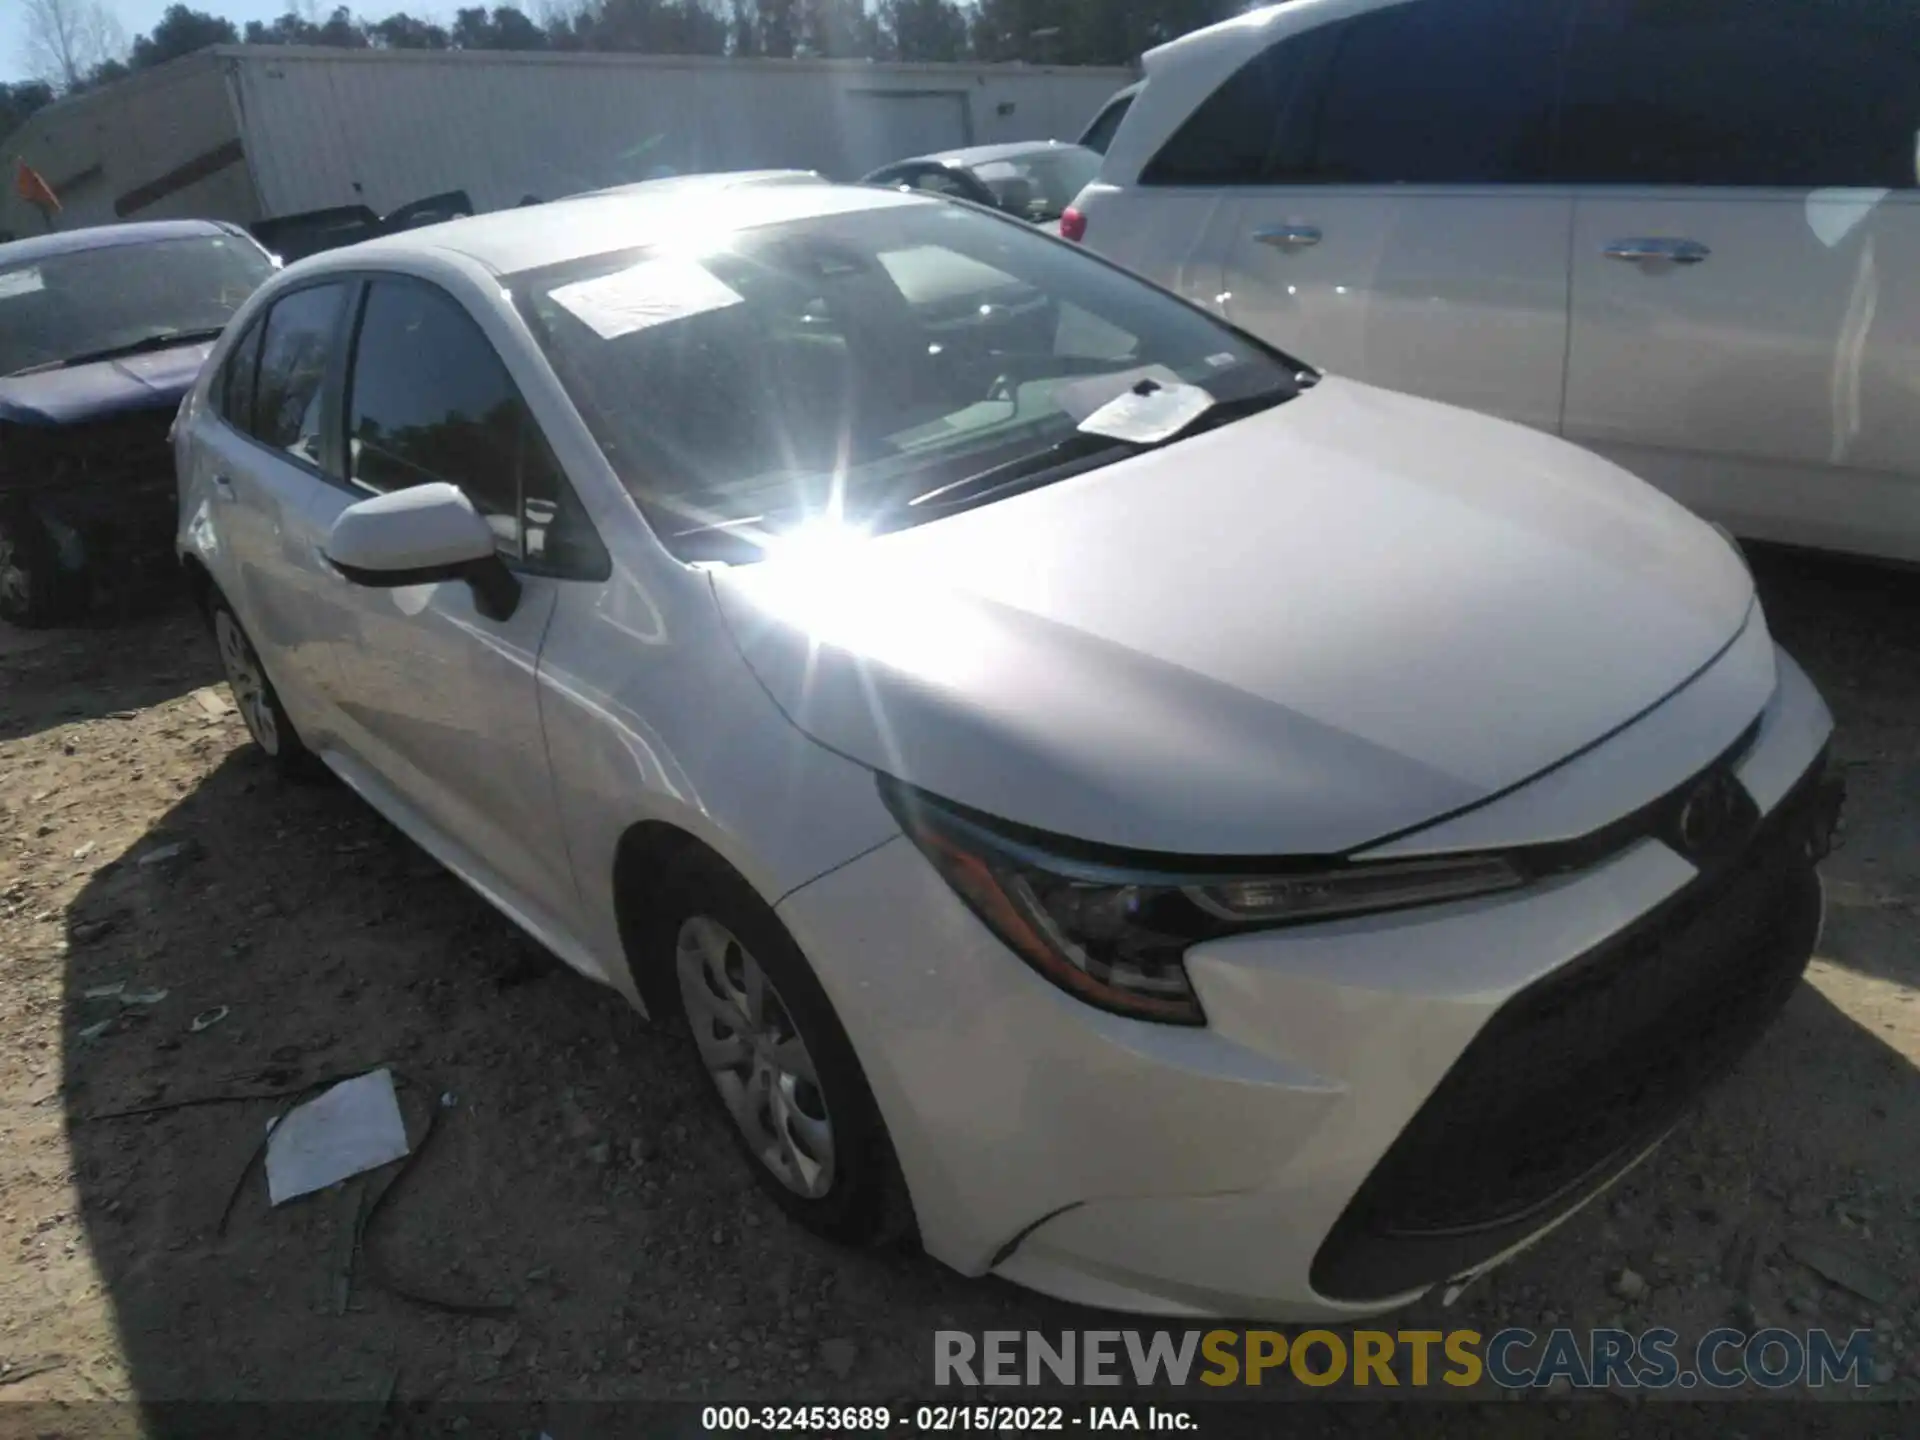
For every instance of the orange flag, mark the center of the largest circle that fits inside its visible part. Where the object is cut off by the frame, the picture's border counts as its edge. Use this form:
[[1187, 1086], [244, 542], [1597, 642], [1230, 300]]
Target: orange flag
[[34, 189]]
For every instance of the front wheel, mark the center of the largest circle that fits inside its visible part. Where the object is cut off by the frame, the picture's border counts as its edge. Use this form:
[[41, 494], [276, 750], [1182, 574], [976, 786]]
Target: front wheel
[[35, 592], [780, 1063]]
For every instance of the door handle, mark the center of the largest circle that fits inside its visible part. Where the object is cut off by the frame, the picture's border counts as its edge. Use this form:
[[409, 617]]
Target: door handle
[[1288, 237], [223, 487], [1657, 249]]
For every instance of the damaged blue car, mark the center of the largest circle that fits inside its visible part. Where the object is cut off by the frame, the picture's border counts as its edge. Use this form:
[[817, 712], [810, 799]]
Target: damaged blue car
[[101, 333]]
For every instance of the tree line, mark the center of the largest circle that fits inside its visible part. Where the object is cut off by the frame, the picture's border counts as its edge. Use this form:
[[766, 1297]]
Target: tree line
[[75, 46]]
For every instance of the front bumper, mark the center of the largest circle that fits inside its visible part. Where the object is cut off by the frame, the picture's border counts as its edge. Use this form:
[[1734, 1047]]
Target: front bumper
[[1376, 1104], [104, 490]]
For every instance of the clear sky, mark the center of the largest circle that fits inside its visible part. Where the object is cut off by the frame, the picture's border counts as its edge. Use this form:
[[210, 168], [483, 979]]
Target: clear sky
[[139, 16]]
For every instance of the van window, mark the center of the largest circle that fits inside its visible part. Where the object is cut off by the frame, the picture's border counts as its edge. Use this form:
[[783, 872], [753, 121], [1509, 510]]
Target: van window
[[1231, 138], [1436, 92], [1803, 94], [1099, 134]]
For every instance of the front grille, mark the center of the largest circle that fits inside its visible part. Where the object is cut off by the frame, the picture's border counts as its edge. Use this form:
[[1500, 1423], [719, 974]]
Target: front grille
[[126, 449], [91, 459], [1582, 1070]]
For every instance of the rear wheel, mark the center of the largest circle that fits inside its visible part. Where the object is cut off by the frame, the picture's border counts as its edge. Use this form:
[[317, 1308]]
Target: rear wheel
[[779, 1062], [34, 591], [256, 699]]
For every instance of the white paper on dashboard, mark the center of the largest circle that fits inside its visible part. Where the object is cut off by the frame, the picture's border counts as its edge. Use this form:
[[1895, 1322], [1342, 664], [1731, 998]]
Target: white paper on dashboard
[[1151, 417], [20, 282], [651, 293]]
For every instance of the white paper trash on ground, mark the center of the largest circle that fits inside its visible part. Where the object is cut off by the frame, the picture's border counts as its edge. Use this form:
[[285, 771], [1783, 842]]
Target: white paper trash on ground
[[353, 1127]]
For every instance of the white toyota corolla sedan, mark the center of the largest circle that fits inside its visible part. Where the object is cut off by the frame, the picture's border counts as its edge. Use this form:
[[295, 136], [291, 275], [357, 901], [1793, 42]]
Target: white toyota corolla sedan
[[1174, 829]]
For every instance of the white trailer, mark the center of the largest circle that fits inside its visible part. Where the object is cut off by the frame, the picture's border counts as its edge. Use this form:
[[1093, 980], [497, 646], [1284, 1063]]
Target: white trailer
[[247, 133]]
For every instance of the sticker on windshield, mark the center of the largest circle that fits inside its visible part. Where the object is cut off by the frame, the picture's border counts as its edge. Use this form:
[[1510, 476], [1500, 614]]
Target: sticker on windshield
[[654, 292], [20, 282], [1220, 361]]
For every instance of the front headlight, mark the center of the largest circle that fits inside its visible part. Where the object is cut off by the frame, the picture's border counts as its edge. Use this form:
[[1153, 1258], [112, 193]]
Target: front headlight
[[1117, 936]]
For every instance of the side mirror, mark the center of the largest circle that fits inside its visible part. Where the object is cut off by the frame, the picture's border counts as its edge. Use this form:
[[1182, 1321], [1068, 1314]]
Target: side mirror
[[420, 536]]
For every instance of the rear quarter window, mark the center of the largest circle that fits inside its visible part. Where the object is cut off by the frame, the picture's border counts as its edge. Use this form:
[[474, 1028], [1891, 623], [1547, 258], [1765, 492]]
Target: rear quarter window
[[233, 387], [1232, 137], [1099, 135], [298, 337]]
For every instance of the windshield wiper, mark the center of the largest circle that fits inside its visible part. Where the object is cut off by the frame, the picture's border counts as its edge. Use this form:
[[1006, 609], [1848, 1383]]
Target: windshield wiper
[[1225, 412], [1073, 453], [1075, 449], [159, 340], [1082, 450]]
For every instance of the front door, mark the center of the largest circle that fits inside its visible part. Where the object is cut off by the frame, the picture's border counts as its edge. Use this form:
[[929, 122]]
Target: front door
[[437, 704]]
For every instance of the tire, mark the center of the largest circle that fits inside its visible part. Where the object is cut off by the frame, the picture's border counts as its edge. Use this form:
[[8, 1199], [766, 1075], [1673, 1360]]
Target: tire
[[35, 591], [255, 698], [804, 1116]]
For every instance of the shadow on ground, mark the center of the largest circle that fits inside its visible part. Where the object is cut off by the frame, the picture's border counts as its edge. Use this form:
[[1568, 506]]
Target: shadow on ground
[[1856, 629], [578, 1178], [56, 677]]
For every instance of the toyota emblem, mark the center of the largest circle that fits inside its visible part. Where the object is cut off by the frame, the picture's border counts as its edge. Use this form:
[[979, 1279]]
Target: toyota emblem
[[1714, 817]]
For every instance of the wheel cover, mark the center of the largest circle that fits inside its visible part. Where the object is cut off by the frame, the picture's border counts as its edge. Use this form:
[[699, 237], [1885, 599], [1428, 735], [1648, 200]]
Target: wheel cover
[[16, 585], [247, 682], [754, 1053]]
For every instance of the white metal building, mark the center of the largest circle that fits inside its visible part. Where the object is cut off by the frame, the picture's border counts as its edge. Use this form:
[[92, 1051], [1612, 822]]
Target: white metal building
[[244, 133]]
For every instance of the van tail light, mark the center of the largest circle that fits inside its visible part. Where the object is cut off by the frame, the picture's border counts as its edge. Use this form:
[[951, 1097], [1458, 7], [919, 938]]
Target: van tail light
[[1073, 225]]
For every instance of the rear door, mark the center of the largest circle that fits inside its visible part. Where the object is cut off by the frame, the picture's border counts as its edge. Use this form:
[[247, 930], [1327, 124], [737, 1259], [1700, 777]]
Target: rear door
[[437, 704], [1401, 226], [265, 467], [1746, 323]]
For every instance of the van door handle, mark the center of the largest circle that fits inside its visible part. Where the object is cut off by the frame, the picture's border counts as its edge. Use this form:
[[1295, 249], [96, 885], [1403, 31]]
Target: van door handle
[[223, 487], [1288, 237], [1657, 249]]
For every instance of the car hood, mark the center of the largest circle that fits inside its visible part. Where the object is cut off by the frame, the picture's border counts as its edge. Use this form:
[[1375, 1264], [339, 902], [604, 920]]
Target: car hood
[[105, 387], [1296, 634]]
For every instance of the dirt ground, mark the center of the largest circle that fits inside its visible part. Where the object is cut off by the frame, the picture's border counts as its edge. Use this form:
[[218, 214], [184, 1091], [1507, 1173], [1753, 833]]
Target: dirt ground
[[578, 1176]]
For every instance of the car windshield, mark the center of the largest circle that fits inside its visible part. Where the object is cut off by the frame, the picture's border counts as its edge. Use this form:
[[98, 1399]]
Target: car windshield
[[91, 302], [857, 362], [1039, 186]]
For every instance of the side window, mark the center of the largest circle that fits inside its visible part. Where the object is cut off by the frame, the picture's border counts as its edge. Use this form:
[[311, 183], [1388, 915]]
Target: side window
[[233, 391], [1804, 94], [938, 182], [429, 400], [1106, 124], [1231, 138], [1436, 92], [296, 345]]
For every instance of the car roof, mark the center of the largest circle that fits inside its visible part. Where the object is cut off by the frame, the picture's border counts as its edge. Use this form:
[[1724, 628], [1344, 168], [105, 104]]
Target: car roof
[[1241, 34], [99, 237], [981, 154], [719, 180], [529, 237]]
